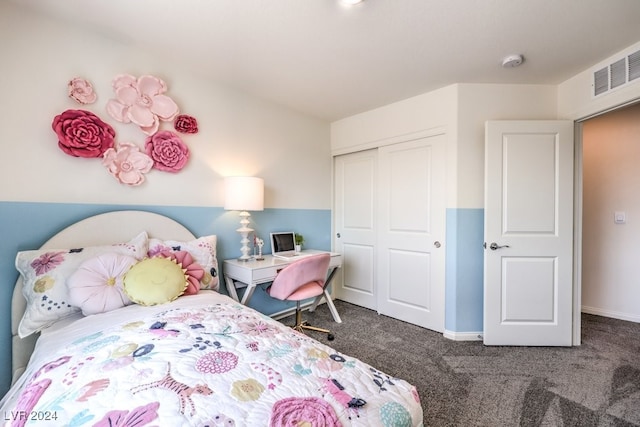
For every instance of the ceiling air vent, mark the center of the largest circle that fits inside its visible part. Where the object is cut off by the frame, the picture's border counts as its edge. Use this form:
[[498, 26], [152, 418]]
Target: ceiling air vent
[[617, 74], [634, 65], [601, 81]]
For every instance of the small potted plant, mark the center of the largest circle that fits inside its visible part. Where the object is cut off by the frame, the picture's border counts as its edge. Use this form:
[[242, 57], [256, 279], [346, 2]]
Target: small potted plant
[[299, 240]]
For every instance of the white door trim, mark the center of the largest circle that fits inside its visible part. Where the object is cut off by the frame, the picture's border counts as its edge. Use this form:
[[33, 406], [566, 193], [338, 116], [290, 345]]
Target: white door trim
[[578, 204], [577, 234]]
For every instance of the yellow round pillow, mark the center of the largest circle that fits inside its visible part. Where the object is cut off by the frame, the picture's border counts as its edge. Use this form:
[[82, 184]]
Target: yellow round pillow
[[155, 281]]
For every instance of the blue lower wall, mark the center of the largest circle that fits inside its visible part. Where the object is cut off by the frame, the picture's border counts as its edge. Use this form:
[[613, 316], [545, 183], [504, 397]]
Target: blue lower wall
[[25, 226], [464, 270]]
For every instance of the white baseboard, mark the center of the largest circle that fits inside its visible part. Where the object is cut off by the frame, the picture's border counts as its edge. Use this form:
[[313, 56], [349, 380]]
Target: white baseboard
[[463, 336], [478, 336], [613, 314]]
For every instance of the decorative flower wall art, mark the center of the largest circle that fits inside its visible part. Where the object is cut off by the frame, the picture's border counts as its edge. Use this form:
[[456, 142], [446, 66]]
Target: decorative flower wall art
[[82, 134], [141, 101], [186, 124], [127, 164], [81, 91], [167, 150]]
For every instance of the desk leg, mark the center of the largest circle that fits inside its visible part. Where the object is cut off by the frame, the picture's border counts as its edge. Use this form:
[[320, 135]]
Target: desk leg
[[248, 293], [327, 297], [231, 288]]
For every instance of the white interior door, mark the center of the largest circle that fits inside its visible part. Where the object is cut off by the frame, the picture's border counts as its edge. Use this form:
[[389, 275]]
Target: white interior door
[[411, 253], [355, 186], [528, 278]]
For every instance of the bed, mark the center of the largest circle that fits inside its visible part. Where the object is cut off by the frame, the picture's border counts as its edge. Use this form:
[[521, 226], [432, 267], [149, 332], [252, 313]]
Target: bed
[[167, 357]]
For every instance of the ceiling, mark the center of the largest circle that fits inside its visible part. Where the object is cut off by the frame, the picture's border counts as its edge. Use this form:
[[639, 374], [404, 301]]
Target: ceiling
[[331, 61]]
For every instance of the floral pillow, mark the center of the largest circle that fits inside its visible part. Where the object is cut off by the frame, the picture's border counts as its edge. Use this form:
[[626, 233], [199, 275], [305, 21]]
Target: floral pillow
[[45, 273], [203, 251], [96, 286], [193, 270]]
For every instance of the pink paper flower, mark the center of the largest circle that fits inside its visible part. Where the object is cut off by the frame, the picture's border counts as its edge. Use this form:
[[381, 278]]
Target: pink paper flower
[[82, 134], [142, 102], [167, 150], [127, 163], [81, 91], [186, 124]]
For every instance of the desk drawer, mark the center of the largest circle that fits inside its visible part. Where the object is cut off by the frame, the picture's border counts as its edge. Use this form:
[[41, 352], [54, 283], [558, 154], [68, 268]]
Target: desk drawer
[[251, 275], [266, 274]]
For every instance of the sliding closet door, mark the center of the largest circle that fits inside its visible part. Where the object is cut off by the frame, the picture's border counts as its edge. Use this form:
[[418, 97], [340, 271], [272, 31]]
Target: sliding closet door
[[411, 231], [355, 227]]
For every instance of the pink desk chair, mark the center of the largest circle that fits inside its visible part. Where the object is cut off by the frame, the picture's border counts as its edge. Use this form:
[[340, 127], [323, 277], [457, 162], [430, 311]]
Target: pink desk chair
[[301, 280]]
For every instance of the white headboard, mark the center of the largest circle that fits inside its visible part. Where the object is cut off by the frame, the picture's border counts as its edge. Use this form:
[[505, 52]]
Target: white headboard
[[103, 229]]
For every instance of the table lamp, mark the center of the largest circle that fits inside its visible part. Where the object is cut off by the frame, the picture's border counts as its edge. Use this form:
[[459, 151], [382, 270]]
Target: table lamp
[[244, 193]]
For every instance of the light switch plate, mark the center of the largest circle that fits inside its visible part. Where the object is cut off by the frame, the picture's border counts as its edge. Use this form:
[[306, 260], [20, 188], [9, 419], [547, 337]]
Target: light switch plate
[[620, 218]]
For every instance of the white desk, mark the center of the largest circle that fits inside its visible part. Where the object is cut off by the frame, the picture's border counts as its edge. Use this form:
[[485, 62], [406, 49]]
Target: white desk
[[249, 274]]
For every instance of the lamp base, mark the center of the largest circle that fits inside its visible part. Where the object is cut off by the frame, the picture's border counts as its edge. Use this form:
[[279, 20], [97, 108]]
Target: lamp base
[[244, 234]]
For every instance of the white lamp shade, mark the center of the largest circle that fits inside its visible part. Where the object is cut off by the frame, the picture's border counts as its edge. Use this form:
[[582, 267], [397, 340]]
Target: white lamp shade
[[243, 193]]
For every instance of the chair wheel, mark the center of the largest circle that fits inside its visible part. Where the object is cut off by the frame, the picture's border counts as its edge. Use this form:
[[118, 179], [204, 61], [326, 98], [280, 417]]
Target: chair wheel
[[330, 337]]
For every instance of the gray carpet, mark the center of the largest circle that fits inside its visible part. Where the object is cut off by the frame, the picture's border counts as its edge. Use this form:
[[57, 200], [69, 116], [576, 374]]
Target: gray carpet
[[468, 384]]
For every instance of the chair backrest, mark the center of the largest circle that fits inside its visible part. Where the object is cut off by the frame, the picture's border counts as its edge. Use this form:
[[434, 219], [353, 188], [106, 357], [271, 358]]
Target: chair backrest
[[299, 273]]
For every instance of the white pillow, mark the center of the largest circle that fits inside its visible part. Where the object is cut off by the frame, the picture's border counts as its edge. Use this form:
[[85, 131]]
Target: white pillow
[[203, 251], [96, 286], [45, 273]]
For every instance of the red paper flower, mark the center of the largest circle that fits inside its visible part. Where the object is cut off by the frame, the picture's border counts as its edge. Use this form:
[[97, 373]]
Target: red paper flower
[[167, 150], [186, 124], [82, 134]]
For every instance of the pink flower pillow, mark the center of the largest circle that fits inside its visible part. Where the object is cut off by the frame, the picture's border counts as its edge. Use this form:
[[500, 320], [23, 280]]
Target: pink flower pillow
[[193, 270], [202, 250], [96, 287]]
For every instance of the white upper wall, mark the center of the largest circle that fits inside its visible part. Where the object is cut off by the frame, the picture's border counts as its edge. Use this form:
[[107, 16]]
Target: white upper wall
[[460, 112], [239, 134], [478, 103], [424, 115], [575, 96], [427, 113]]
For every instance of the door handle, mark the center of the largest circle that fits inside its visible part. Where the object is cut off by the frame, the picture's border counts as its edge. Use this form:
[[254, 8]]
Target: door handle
[[437, 244], [493, 246]]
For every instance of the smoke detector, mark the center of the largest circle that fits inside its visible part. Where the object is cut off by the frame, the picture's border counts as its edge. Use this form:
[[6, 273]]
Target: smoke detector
[[512, 61]]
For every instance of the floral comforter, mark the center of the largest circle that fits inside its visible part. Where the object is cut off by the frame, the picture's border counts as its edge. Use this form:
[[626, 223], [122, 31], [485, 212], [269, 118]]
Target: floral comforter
[[203, 360]]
